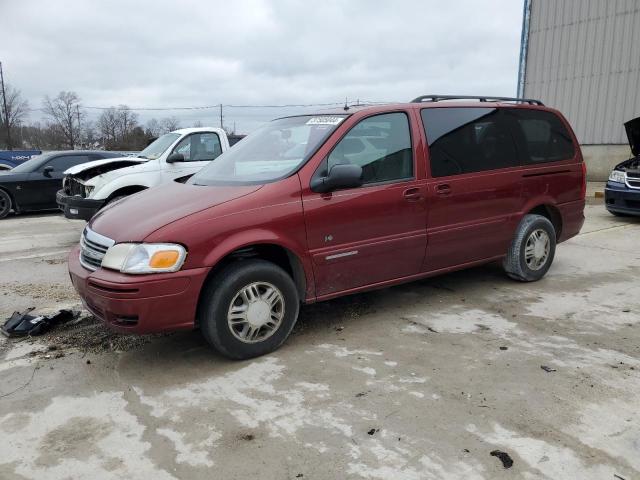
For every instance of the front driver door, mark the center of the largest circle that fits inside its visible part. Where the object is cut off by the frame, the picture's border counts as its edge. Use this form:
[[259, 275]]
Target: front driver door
[[198, 150], [43, 184], [377, 232]]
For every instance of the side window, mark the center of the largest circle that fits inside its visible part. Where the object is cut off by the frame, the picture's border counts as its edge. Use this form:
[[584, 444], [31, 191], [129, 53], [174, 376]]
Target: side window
[[541, 135], [60, 164], [199, 147], [381, 145], [464, 140]]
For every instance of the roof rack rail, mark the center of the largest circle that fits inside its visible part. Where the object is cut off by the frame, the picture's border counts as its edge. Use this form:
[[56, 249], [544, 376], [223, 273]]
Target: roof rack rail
[[437, 98]]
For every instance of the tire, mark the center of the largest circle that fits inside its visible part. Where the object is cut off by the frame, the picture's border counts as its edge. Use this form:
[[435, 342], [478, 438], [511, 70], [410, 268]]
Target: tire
[[5, 204], [232, 321], [537, 233]]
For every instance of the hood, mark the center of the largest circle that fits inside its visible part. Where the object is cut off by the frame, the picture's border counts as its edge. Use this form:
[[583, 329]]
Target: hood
[[633, 134], [91, 169], [137, 216]]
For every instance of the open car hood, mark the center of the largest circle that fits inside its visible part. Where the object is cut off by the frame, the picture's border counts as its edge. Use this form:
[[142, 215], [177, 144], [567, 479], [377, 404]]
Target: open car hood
[[116, 163], [633, 134]]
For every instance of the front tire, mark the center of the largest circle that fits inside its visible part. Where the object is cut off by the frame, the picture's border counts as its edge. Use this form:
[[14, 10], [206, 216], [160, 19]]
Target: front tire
[[5, 204], [248, 309], [532, 250]]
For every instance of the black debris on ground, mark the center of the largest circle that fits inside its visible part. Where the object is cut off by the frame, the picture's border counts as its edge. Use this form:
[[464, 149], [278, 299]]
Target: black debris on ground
[[504, 348], [21, 324], [373, 431], [548, 369], [504, 457]]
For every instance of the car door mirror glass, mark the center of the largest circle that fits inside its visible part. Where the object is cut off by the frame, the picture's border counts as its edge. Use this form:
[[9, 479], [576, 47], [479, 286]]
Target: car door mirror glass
[[339, 177], [175, 157]]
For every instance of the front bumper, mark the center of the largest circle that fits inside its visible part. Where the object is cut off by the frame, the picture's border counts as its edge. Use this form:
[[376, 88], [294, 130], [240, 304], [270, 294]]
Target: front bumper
[[139, 303], [77, 207], [618, 198]]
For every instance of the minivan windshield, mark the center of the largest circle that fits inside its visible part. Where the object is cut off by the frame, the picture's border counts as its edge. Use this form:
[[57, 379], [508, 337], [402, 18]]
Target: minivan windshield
[[158, 147], [274, 151]]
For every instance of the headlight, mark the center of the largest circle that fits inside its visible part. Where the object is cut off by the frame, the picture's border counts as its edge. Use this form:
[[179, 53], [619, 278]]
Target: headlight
[[88, 189], [617, 176], [145, 257]]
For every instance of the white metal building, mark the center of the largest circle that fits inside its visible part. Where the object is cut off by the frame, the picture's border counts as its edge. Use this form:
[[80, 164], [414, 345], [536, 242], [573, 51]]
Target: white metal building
[[583, 58]]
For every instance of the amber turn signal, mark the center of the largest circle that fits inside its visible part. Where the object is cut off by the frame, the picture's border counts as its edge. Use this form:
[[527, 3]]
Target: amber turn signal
[[164, 259]]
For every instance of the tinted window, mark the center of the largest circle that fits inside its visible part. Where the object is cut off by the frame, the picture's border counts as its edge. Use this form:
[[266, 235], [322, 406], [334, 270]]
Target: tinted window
[[463, 140], [60, 164], [199, 147], [541, 136], [381, 145]]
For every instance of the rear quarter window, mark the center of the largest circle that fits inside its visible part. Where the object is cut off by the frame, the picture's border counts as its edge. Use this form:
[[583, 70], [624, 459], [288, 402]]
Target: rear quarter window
[[541, 136]]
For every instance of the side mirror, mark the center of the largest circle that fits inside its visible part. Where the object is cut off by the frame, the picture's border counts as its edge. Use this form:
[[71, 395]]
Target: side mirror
[[47, 171], [340, 176], [175, 157]]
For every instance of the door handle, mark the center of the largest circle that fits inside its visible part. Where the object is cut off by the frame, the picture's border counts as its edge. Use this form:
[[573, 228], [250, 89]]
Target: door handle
[[443, 189], [412, 194]]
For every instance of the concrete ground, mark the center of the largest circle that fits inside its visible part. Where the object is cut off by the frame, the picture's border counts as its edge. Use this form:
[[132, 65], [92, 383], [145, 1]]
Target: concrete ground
[[423, 380]]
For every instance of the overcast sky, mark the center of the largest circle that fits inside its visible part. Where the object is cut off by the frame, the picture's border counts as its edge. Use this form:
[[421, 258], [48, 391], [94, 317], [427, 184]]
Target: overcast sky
[[193, 53]]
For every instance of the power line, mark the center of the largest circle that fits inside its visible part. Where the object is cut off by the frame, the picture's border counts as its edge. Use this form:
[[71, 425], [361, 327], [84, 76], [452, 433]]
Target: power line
[[217, 106]]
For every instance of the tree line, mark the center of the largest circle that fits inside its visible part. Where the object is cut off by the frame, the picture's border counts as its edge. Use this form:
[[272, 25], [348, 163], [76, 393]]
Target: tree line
[[65, 125]]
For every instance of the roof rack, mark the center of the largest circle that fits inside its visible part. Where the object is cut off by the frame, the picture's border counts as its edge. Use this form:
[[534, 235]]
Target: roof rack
[[437, 98]]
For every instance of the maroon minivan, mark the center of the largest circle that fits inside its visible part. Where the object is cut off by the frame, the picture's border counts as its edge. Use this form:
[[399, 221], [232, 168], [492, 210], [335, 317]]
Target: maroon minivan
[[312, 207]]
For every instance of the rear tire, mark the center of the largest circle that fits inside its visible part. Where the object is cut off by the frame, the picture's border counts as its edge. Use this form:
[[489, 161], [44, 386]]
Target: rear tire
[[532, 250], [248, 309], [5, 204]]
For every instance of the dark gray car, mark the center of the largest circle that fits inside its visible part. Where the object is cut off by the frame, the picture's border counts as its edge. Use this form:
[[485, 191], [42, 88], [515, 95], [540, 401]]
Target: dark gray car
[[33, 184]]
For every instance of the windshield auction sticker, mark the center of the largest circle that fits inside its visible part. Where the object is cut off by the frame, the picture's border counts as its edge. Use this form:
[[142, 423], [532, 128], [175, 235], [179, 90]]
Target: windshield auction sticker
[[325, 120]]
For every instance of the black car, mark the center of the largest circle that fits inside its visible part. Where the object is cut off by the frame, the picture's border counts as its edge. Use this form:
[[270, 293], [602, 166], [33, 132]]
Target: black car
[[622, 193], [33, 184]]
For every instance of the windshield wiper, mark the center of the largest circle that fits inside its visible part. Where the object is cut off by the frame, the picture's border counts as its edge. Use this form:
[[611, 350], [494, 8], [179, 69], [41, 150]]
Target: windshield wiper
[[143, 156]]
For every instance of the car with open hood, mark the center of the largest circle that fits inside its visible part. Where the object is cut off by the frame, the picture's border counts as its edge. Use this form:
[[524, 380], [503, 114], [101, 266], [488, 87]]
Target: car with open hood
[[313, 207], [178, 154], [622, 192]]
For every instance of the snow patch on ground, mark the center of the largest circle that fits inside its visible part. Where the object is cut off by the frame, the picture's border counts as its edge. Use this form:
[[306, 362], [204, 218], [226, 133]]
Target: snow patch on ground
[[542, 458], [93, 437]]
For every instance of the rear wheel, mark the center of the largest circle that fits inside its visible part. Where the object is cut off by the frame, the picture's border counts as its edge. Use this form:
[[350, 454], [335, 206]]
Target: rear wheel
[[5, 204], [248, 309], [532, 250]]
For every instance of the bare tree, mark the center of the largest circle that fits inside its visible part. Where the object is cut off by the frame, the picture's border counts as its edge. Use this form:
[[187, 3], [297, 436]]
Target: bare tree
[[153, 128], [197, 124], [15, 112], [108, 126], [127, 121], [169, 124], [65, 115]]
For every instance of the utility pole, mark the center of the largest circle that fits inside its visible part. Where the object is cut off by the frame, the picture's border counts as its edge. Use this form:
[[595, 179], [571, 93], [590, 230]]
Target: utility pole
[[79, 129], [6, 112], [221, 125]]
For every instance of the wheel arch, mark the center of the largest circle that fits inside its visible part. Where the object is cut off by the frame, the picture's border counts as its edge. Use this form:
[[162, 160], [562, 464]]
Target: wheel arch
[[128, 190], [551, 213], [275, 253]]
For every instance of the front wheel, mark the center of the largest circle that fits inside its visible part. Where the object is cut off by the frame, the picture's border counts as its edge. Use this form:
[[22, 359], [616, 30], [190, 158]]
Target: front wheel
[[5, 204], [532, 250], [248, 309]]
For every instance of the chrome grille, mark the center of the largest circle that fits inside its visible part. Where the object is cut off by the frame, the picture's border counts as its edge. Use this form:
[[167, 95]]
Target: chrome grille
[[93, 247], [633, 179]]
